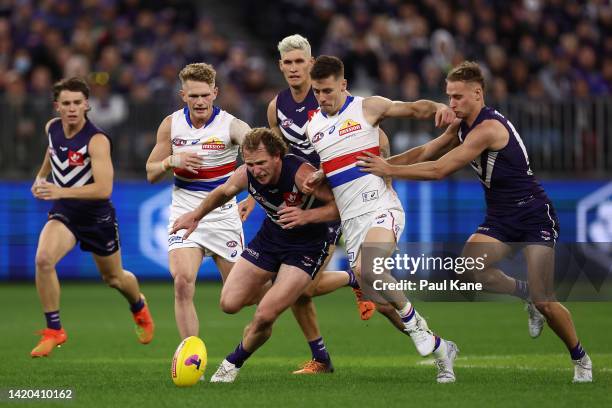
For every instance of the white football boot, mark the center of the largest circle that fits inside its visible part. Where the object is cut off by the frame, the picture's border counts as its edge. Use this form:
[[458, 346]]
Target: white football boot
[[227, 372], [535, 321], [445, 364], [583, 370]]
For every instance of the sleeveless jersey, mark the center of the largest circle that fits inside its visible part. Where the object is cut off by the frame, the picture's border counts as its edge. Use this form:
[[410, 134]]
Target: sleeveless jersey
[[212, 142], [71, 167], [285, 193], [338, 140], [505, 174], [292, 118]]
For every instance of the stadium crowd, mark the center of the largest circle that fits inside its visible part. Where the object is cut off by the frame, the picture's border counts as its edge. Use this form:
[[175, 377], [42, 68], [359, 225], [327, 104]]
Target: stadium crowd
[[131, 52]]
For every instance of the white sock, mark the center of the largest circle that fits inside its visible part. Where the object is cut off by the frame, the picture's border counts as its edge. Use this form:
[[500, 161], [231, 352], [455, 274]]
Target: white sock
[[440, 352], [404, 313]]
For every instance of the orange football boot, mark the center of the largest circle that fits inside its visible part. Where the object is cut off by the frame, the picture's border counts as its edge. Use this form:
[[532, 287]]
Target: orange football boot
[[50, 339], [366, 307], [315, 367], [145, 327]]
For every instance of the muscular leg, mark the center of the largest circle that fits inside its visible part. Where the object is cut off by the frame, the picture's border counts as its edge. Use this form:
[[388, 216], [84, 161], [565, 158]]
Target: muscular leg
[[492, 279], [243, 286], [290, 283], [111, 269], [540, 267], [184, 266], [54, 243]]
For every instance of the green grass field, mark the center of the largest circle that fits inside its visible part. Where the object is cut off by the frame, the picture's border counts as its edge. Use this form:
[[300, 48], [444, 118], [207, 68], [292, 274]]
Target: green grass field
[[499, 365]]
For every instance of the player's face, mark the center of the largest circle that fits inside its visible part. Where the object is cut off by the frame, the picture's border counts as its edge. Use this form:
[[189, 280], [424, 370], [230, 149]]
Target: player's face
[[262, 165], [71, 107], [464, 97], [295, 66], [199, 97], [329, 93]]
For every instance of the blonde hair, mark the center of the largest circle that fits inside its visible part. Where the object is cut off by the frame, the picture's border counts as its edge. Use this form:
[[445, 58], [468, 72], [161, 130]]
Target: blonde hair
[[467, 71], [294, 42], [199, 72]]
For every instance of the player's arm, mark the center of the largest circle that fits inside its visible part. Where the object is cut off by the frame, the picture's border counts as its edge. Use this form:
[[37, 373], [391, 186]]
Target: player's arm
[[292, 217], [161, 158], [102, 171], [431, 150], [377, 108], [272, 119], [238, 129], [481, 138], [45, 167], [385, 152], [219, 196]]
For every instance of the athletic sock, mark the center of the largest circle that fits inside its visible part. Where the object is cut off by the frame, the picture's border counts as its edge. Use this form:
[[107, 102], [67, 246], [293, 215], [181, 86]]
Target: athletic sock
[[239, 356], [521, 289], [352, 279], [137, 307], [319, 351], [407, 314], [53, 320], [440, 348], [577, 352]]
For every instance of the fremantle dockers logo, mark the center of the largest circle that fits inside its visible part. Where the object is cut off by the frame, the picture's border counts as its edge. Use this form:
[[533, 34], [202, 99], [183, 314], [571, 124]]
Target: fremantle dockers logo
[[75, 158], [213, 143], [348, 126], [292, 199]]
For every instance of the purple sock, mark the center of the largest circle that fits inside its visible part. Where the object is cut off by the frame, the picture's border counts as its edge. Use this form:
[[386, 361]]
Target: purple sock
[[137, 307], [319, 352], [53, 320], [352, 279], [521, 289], [409, 316], [577, 352], [239, 356], [437, 343]]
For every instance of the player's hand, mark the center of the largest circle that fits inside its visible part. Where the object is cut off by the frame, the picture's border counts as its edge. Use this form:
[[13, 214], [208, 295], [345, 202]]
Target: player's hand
[[189, 161], [312, 182], [47, 191], [374, 164], [245, 207], [37, 182], [187, 221], [292, 217], [444, 116]]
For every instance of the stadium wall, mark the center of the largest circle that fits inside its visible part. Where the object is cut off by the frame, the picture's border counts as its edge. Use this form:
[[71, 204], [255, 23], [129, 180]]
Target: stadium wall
[[445, 211]]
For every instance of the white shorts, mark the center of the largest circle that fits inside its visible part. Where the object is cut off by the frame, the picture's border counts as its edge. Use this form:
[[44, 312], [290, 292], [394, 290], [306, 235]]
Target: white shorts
[[355, 229], [222, 236]]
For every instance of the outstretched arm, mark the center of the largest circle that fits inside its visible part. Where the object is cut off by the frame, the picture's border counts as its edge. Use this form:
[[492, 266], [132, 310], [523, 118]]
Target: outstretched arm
[[431, 150], [480, 139], [377, 108], [219, 196]]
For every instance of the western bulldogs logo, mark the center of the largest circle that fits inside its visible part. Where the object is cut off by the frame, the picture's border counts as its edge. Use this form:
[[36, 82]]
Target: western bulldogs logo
[[76, 158], [316, 138], [287, 122], [231, 244]]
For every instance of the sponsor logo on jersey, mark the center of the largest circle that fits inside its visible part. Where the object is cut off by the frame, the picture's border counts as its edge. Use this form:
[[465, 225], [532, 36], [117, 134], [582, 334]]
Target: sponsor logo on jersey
[[348, 126], [331, 130], [76, 158], [316, 138], [234, 253], [292, 199], [63, 148], [213, 143], [231, 244], [300, 109], [183, 142], [287, 122]]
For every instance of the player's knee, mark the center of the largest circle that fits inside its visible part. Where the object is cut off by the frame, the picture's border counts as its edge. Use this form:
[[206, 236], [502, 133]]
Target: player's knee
[[229, 305], [112, 280], [183, 288], [44, 261], [385, 309]]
